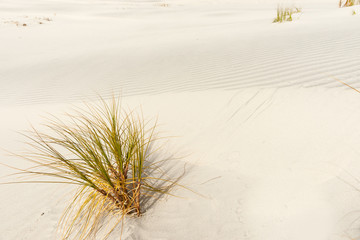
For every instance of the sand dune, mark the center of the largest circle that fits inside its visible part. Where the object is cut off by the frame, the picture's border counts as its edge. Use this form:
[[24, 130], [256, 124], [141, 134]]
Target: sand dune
[[145, 56], [270, 137]]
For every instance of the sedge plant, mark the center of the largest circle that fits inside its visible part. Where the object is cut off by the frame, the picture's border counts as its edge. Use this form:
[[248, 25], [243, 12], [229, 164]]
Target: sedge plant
[[285, 14], [109, 154]]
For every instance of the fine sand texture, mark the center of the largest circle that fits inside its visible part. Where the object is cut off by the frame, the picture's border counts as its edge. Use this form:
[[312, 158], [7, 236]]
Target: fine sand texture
[[268, 138]]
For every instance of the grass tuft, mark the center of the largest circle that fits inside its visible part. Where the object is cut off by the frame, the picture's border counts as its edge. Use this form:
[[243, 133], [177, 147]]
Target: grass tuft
[[109, 154], [285, 14], [348, 3]]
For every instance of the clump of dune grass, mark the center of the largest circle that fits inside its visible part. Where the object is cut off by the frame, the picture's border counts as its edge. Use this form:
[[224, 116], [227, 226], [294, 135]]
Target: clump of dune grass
[[109, 154], [285, 14], [348, 3]]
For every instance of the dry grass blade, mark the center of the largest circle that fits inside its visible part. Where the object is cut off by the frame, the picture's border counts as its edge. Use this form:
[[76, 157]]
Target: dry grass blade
[[105, 151], [348, 3], [347, 85]]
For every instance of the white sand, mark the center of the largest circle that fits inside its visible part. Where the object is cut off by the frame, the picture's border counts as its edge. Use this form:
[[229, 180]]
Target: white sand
[[268, 134]]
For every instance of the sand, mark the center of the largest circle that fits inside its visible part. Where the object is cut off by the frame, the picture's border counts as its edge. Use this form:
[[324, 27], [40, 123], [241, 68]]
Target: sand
[[268, 136]]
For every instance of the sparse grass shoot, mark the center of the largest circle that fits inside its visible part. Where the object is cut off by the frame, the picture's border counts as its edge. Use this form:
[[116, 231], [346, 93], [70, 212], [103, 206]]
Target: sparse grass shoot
[[285, 14], [110, 155]]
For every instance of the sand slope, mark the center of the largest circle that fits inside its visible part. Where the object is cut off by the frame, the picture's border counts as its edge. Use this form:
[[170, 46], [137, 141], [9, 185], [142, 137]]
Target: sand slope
[[270, 138]]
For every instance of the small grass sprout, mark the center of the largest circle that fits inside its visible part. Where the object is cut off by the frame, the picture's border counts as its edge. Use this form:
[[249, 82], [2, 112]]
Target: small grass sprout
[[109, 154], [348, 3], [286, 14]]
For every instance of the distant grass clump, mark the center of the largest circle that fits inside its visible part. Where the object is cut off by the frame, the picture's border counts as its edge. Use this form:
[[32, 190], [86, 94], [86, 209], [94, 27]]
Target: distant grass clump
[[348, 3], [285, 14], [109, 154]]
